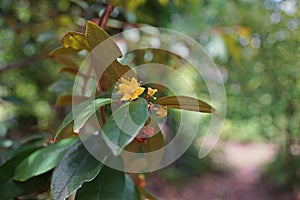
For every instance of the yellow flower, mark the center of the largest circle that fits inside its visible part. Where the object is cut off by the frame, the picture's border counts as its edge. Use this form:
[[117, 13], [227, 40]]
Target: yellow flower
[[151, 92], [130, 89]]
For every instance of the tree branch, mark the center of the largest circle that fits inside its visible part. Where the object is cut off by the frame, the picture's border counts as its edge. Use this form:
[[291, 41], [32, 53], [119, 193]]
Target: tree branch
[[103, 19], [23, 63], [102, 23]]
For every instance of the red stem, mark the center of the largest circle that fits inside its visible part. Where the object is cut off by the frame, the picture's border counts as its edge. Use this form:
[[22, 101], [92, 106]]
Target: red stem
[[102, 23], [103, 19]]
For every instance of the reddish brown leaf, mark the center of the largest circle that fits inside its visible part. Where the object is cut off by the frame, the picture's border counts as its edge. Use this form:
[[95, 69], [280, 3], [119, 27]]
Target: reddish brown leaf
[[67, 100], [185, 103], [113, 73], [68, 70]]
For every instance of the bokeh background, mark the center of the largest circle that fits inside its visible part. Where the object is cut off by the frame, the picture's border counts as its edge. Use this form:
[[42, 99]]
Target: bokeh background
[[256, 46]]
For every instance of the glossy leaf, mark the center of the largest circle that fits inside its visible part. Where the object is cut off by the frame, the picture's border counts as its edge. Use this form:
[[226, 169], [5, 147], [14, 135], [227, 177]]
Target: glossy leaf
[[153, 143], [131, 191], [69, 70], [42, 160], [76, 41], [65, 100], [13, 189], [10, 188], [109, 184], [68, 119], [43, 136], [68, 100], [66, 132], [76, 167], [63, 51], [13, 100], [62, 86], [8, 168], [66, 56], [25, 143], [3, 129], [95, 34], [5, 143], [185, 103], [113, 73], [160, 56], [124, 125], [82, 113], [134, 146]]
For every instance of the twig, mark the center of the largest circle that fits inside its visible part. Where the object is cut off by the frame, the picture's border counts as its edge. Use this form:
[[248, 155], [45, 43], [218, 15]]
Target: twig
[[103, 19], [23, 63], [102, 23]]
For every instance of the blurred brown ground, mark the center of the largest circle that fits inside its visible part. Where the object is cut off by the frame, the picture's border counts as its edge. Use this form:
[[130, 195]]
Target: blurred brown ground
[[242, 179]]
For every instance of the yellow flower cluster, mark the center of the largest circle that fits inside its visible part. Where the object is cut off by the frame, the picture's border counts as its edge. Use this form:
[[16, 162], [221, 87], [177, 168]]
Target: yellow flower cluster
[[151, 92], [130, 89]]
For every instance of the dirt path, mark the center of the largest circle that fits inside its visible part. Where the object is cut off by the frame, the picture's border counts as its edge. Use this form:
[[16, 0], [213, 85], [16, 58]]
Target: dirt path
[[240, 182]]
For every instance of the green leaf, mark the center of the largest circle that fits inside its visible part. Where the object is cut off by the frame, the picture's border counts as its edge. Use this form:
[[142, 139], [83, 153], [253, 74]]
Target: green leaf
[[76, 41], [10, 188], [42, 160], [76, 167], [13, 189], [131, 191], [26, 143], [185, 103], [95, 34], [62, 86], [13, 100], [8, 168], [40, 136], [3, 129], [82, 112], [124, 125], [109, 184], [5, 143]]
